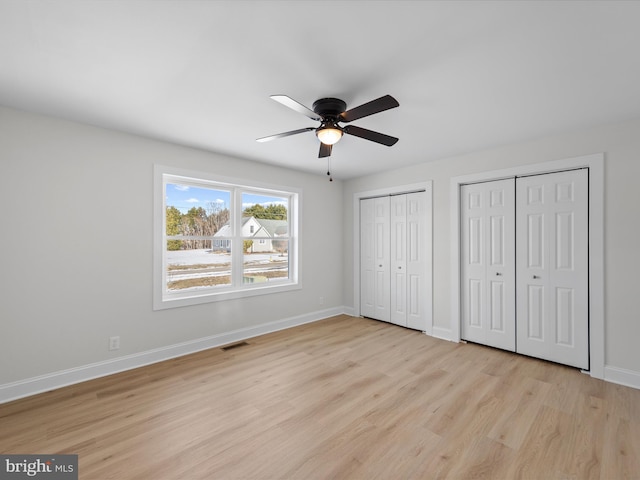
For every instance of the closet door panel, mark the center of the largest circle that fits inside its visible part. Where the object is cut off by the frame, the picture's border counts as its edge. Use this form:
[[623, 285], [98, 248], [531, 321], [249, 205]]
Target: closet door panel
[[552, 263], [535, 319], [398, 267], [473, 263], [488, 267], [497, 306], [381, 261], [501, 264], [416, 259], [367, 274]]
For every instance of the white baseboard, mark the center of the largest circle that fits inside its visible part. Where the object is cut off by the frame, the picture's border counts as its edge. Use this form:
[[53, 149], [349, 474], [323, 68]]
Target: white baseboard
[[349, 311], [622, 376], [52, 381]]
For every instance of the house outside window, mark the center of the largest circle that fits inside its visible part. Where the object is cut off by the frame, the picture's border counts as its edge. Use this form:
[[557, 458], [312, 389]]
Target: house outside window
[[220, 238]]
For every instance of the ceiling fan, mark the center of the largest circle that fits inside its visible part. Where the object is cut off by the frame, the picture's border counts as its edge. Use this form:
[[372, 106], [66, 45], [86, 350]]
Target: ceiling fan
[[332, 111]]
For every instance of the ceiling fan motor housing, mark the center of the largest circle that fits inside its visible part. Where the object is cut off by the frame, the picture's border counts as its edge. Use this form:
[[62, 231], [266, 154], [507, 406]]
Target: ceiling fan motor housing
[[329, 107]]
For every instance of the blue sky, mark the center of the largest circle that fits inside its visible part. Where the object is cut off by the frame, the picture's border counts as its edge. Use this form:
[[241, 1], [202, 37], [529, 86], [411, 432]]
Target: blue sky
[[185, 197]]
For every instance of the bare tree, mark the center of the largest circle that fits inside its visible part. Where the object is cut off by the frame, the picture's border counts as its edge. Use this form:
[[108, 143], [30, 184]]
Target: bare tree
[[217, 217]]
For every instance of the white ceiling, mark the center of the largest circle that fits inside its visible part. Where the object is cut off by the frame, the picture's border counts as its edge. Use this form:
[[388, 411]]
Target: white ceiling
[[468, 75]]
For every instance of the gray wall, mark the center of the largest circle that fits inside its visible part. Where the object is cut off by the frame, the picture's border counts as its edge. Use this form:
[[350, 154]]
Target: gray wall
[[621, 145], [76, 246], [76, 243]]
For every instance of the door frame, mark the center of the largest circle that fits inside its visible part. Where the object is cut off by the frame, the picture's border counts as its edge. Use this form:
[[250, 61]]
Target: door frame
[[427, 187], [595, 164]]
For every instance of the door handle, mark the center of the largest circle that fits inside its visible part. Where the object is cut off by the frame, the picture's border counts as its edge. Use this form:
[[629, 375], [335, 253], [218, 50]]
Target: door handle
[[535, 277], [498, 274]]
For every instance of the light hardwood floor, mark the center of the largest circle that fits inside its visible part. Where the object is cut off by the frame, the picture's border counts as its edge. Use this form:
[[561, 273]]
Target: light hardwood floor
[[340, 398]]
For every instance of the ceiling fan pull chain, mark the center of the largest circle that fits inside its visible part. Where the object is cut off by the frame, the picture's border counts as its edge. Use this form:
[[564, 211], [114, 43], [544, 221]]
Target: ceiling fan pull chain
[[329, 169]]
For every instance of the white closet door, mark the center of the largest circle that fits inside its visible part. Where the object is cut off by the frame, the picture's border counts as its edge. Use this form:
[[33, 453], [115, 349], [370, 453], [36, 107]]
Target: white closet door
[[367, 260], [398, 260], [381, 258], [552, 265], [417, 260], [374, 258], [487, 263], [408, 259]]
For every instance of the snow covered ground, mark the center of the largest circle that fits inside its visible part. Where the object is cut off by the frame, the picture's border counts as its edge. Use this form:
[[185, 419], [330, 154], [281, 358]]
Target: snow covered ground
[[205, 256], [219, 265]]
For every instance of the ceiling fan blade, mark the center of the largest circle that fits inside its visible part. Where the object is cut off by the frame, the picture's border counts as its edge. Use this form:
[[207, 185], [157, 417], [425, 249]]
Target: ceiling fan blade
[[325, 150], [285, 134], [374, 106], [298, 107], [370, 135]]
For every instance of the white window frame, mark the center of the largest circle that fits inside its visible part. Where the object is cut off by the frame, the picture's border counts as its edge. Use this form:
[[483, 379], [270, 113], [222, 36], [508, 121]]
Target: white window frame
[[163, 299]]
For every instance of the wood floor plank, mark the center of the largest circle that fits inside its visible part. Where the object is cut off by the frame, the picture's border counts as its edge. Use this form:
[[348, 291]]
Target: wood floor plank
[[521, 402], [340, 398]]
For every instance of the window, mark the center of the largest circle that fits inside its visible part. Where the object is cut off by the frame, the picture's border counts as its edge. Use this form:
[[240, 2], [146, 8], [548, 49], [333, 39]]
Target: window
[[220, 238]]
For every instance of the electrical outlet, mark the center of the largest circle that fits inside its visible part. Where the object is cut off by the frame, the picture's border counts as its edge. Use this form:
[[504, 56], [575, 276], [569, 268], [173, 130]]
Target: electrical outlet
[[114, 343], [321, 301]]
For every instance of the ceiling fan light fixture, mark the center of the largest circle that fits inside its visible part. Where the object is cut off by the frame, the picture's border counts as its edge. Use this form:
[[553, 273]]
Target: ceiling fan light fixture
[[329, 134]]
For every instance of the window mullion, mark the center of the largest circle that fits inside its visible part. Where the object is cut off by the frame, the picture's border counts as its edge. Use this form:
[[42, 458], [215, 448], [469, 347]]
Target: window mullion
[[237, 254]]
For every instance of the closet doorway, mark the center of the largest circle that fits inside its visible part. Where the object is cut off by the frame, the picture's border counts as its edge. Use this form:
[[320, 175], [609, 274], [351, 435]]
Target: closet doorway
[[567, 300], [393, 255], [524, 265], [392, 258]]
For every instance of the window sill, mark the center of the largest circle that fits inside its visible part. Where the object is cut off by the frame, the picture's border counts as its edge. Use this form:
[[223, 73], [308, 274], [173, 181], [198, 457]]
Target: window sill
[[200, 298]]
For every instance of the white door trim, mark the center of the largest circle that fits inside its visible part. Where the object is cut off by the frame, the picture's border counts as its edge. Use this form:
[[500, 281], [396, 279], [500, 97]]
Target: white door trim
[[427, 186], [595, 163]]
